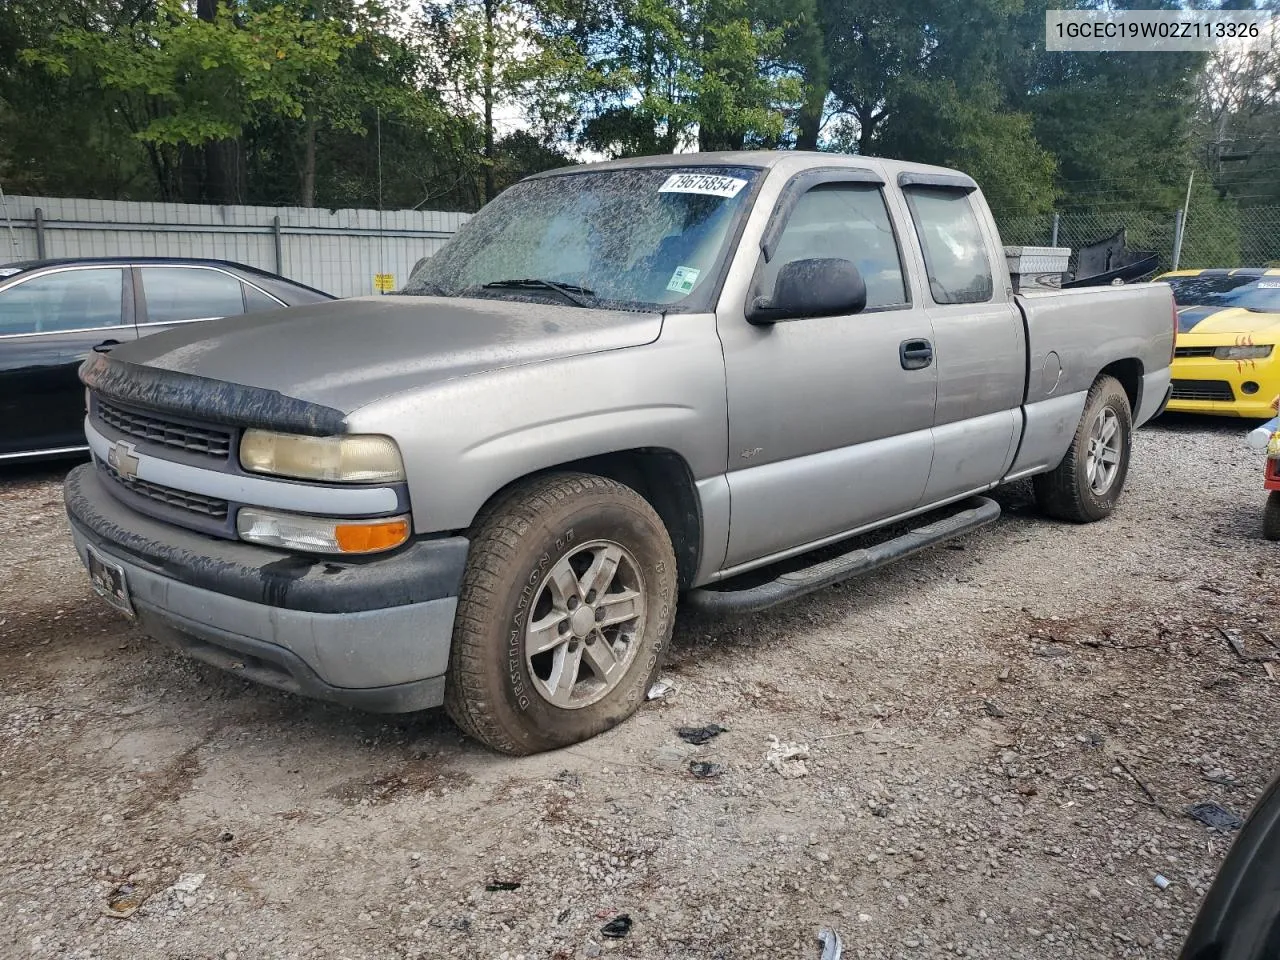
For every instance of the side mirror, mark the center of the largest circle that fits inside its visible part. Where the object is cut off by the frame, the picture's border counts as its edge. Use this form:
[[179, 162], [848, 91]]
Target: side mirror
[[821, 287]]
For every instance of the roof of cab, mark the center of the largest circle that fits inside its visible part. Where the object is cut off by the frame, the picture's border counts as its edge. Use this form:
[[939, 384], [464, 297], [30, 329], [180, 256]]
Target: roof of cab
[[764, 159]]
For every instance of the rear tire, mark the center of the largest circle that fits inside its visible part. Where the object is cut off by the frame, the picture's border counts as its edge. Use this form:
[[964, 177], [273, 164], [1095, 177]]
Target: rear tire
[[1271, 516], [564, 615], [1088, 482]]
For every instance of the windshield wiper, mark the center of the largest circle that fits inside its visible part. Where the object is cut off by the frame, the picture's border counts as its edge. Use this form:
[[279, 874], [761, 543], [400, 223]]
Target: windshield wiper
[[569, 291]]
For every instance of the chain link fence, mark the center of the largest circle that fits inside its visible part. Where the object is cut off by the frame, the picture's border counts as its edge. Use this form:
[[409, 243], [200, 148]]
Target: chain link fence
[[1215, 236]]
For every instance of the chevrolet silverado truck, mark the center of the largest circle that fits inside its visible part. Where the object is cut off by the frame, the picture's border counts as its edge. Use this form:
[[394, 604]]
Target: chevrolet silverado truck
[[618, 385]]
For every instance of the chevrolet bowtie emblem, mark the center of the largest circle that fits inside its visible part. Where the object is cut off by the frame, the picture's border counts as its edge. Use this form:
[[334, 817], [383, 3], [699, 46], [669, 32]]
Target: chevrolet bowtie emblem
[[123, 459]]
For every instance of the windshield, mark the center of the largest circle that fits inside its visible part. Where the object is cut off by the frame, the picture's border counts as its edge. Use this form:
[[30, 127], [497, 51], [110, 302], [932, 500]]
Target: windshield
[[1259, 294], [640, 238]]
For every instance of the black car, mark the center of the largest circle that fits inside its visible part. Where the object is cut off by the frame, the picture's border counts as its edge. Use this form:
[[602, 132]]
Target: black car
[[54, 312]]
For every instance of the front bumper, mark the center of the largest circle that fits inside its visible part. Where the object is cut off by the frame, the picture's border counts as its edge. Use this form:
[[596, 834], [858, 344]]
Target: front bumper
[[373, 634], [1247, 387]]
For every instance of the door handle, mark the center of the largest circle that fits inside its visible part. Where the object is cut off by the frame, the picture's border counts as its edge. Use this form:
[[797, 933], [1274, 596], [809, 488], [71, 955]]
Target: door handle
[[915, 354], [105, 346]]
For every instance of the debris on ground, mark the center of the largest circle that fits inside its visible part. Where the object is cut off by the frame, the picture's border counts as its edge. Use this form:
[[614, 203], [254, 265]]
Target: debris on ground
[[1215, 816], [831, 945], [569, 779], [787, 758], [1162, 881], [185, 887], [617, 928], [704, 770], [660, 689], [124, 901], [700, 735], [1141, 786], [1236, 641], [993, 709], [501, 886]]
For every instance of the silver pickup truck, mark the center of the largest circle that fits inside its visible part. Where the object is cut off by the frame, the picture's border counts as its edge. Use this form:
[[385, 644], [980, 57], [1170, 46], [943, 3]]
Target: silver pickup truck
[[618, 384]]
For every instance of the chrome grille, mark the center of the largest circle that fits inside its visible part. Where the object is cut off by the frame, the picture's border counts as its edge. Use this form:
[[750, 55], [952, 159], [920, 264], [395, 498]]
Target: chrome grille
[[210, 441], [1193, 351], [180, 499], [1202, 390]]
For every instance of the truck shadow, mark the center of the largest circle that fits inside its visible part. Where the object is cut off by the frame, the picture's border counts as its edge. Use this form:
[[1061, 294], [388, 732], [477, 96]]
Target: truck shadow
[[39, 471], [1183, 423]]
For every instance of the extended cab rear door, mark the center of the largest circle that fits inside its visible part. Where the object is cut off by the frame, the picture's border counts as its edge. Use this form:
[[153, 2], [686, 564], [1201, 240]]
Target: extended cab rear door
[[830, 421], [980, 348]]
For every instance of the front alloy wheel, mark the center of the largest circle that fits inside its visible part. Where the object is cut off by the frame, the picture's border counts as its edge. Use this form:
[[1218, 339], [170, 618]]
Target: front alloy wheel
[[587, 616], [564, 615]]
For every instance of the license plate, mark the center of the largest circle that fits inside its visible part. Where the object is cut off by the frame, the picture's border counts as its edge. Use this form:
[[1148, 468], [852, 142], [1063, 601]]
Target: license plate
[[108, 579]]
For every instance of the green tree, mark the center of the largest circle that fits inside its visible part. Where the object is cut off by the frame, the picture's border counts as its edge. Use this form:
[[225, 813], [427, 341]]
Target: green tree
[[648, 76], [65, 135], [187, 81]]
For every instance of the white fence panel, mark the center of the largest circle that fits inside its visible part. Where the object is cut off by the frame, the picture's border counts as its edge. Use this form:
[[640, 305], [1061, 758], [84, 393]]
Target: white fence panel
[[337, 251]]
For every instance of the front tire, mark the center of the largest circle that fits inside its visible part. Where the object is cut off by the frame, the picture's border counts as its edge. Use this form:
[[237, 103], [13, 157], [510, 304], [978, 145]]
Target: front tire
[[564, 615], [1271, 516], [1086, 485]]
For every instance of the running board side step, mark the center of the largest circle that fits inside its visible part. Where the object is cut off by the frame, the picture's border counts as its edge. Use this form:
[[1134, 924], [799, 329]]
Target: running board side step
[[977, 512]]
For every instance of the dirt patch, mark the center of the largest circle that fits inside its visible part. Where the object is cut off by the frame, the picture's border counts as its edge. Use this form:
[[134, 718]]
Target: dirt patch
[[981, 725], [415, 780]]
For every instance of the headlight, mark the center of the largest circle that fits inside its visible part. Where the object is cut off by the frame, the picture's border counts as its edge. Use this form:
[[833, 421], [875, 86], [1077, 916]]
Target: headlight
[[349, 459], [1243, 353], [321, 534]]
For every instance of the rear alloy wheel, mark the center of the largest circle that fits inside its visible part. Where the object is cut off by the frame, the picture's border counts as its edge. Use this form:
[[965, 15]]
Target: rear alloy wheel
[[565, 612], [1085, 486]]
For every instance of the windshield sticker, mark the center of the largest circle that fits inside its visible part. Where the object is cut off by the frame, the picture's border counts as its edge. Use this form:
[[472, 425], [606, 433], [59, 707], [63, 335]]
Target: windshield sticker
[[1269, 284], [705, 183], [683, 279]]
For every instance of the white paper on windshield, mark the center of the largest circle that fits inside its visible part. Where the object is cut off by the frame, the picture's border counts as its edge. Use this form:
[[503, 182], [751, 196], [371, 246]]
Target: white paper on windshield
[[710, 184], [683, 279]]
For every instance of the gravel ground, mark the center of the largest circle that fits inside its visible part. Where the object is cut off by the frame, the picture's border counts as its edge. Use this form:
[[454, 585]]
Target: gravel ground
[[974, 717]]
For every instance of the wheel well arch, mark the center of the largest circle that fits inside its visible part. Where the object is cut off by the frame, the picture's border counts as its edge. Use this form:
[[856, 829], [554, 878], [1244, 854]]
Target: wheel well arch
[[662, 476], [1129, 373]]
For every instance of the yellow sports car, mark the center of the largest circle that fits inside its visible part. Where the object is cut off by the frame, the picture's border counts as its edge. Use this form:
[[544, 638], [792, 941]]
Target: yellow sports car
[[1225, 360]]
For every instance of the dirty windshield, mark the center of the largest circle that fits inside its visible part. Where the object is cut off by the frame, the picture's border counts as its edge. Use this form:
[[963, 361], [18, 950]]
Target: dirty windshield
[[640, 237], [1259, 294]]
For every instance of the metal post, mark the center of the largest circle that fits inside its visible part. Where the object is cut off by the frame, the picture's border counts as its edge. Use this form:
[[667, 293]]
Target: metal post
[[381, 241], [1053, 240], [40, 248], [1178, 221], [275, 235], [1180, 228], [13, 237]]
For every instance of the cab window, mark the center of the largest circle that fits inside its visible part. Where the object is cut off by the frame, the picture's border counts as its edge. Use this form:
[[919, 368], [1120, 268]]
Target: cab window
[[848, 221], [955, 252]]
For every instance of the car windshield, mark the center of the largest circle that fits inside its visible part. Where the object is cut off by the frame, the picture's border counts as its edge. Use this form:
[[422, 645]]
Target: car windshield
[[1259, 294], [639, 238]]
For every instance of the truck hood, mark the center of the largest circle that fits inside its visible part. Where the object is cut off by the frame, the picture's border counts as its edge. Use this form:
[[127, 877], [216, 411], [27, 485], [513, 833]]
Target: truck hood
[[348, 353]]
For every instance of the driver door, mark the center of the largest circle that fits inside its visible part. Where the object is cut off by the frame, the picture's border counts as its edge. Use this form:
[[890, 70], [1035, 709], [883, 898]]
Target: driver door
[[830, 418]]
